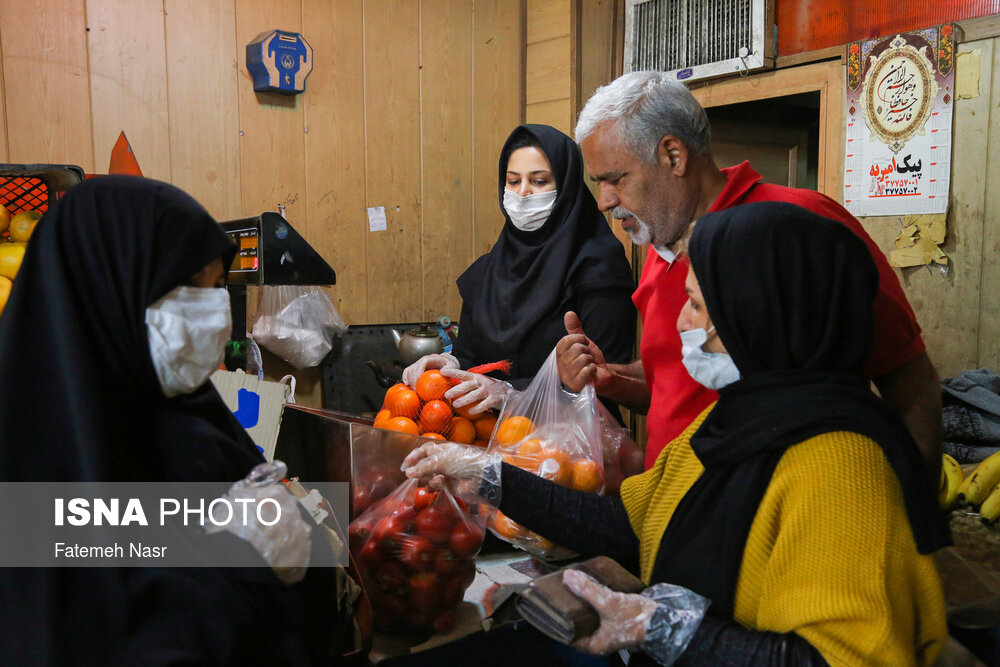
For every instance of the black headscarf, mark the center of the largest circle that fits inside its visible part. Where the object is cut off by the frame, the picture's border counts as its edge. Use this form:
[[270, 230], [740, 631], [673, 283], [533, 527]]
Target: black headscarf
[[527, 276], [790, 294], [80, 401], [76, 377]]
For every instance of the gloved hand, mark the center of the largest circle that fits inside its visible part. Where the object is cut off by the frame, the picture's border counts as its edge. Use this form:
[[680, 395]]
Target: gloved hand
[[412, 372], [624, 617], [469, 470], [660, 621], [476, 388], [285, 544]]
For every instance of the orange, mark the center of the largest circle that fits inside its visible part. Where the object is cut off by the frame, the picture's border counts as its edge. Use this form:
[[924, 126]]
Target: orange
[[5, 286], [11, 256], [403, 425], [560, 455], [528, 454], [435, 436], [435, 417], [4, 218], [394, 388], [514, 429], [382, 417], [403, 403], [462, 431], [507, 527], [464, 412], [586, 475], [554, 471], [431, 385], [480, 443], [485, 425], [22, 225]]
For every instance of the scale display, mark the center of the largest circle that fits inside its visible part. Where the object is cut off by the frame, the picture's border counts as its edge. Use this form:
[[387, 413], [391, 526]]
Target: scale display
[[247, 257]]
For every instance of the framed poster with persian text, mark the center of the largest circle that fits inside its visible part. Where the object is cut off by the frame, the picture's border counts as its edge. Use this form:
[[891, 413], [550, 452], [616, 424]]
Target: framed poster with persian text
[[900, 95]]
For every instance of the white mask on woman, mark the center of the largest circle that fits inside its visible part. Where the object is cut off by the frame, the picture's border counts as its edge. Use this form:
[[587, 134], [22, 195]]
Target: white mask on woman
[[530, 212], [187, 330], [713, 370]]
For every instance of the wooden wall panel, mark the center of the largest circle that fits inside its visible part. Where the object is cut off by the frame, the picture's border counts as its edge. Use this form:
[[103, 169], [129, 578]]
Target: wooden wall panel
[[47, 92], [594, 48], [446, 145], [272, 168], [3, 108], [498, 93], [128, 82], [989, 323], [547, 19], [597, 61], [335, 149], [556, 113], [203, 103], [392, 89], [548, 70]]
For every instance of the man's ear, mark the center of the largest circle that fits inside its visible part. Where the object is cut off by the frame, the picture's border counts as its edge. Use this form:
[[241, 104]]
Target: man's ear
[[671, 151]]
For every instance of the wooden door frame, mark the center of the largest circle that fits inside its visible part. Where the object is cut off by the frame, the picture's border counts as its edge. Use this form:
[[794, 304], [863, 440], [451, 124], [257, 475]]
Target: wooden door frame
[[826, 78]]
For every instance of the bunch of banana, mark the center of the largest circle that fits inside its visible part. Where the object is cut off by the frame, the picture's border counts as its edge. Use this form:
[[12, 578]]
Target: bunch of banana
[[951, 479], [982, 488]]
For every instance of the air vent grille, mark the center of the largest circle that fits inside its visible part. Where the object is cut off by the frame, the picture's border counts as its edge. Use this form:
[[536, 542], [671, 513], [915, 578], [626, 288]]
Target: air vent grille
[[688, 35]]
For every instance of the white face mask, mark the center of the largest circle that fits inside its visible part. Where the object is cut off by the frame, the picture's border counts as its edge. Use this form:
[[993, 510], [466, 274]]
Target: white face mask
[[713, 370], [530, 212], [188, 329]]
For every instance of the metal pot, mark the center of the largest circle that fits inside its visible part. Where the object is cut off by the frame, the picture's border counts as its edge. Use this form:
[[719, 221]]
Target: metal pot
[[417, 343]]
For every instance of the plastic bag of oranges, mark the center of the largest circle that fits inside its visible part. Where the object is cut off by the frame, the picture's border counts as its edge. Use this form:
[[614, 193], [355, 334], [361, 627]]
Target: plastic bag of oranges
[[423, 410], [555, 434]]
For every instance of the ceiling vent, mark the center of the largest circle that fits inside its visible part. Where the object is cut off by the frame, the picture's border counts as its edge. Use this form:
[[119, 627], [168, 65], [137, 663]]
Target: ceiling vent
[[699, 39]]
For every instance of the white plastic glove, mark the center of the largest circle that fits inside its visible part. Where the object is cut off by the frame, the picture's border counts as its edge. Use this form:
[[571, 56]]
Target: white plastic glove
[[660, 621], [413, 372], [286, 544], [470, 470], [624, 617], [477, 388]]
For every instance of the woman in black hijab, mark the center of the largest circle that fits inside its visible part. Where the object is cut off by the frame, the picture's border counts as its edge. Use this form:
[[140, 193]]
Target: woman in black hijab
[[556, 253], [797, 504], [95, 386]]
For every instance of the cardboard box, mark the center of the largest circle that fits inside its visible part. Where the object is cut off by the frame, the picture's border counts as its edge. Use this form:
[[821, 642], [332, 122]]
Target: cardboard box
[[257, 404]]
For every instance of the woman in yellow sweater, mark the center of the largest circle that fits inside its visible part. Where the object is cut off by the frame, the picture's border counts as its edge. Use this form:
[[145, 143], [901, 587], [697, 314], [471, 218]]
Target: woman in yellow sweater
[[797, 504]]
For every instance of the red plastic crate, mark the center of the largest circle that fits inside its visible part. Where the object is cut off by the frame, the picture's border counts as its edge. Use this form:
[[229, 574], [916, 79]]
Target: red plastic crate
[[31, 187]]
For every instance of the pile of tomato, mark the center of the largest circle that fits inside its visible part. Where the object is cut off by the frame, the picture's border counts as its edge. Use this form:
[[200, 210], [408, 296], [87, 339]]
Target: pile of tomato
[[416, 551]]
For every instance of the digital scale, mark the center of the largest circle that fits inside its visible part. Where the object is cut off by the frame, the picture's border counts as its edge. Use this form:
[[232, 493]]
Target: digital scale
[[269, 252]]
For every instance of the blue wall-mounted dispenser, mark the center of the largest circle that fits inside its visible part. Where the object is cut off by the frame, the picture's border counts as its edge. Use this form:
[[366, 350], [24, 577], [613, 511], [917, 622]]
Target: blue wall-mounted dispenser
[[279, 62]]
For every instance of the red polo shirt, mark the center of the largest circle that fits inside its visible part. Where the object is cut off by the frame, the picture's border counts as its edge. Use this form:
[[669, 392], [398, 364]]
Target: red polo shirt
[[676, 399]]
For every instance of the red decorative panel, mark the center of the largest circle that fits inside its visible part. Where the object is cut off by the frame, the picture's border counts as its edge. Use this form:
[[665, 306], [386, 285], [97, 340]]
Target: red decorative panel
[[806, 25]]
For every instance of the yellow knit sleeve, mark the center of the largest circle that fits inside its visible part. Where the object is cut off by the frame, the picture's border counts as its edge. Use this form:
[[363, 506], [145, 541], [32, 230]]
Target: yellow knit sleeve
[[651, 497], [831, 556]]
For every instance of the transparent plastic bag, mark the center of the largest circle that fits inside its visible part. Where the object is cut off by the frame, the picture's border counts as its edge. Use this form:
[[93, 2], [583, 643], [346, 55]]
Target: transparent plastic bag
[[622, 457], [416, 551], [555, 434], [298, 323], [286, 545]]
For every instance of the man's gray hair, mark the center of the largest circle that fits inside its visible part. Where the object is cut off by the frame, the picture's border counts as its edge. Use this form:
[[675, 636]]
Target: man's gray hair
[[646, 106]]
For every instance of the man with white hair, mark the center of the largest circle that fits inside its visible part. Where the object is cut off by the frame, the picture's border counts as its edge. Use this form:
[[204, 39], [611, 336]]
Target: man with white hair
[[645, 141]]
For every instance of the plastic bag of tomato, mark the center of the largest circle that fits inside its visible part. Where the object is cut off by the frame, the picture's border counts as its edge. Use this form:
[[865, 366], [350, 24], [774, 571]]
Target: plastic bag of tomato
[[555, 434], [416, 551]]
